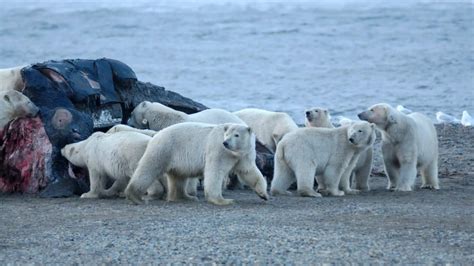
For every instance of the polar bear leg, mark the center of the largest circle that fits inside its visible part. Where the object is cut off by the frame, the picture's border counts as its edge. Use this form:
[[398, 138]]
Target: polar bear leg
[[391, 170], [157, 190], [253, 178], [345, 183], [191, 188], [320, 181], [150, 168], [429, 176], [362, 174], [214, 175], [305, 181], [177, 189], [332, 178], [283, 177], [97, 181], [407, 176], [118, 186]]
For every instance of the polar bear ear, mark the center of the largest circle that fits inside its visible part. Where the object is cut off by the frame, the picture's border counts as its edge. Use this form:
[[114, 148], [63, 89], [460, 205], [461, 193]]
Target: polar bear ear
[[226, 127], [7, 98], [144, 121], [372, 125], [71, 151], [249, 130], [144, 104]]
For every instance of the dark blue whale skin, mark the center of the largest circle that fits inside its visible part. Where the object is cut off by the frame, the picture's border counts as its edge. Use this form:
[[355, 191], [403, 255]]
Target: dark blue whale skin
[[68, 92]]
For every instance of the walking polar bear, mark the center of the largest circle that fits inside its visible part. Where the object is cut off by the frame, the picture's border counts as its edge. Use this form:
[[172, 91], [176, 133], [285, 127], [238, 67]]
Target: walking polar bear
[[156, 116], [269, 127], [409, 144], [107, 156], [329, 153], [159, 188], [197, 149], [320, 117], [14, 104]]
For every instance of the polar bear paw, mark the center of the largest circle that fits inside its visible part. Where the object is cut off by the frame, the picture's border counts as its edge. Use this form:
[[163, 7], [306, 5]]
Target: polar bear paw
[[132, 195], [428, 186], [309, 193], [275, 192], [352, 191], [403, 188], [221, 202], [90, 195]]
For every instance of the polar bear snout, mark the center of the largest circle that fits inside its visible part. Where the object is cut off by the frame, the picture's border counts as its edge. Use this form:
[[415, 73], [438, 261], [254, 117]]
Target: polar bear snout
[[363, 116], [351, 139], [226, 144], [33, 110]]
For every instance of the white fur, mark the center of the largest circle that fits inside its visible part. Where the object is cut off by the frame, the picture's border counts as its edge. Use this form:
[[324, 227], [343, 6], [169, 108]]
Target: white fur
[[319, 117], [156, 116], [107, 156], [120, 128], [10, 79], [197, 149], [269, 127], [323, 152], [14, 104], [409, 145]]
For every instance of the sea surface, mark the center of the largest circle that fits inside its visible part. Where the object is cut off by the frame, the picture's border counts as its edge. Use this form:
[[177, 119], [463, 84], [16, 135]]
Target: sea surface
[[278, 55]]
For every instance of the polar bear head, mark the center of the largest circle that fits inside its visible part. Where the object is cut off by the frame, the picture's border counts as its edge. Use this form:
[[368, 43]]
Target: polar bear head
[[361, 134], [155, 116], [382, 115], [18, 105], [76, 154], [139, 116], [316, 117], [238, 138]]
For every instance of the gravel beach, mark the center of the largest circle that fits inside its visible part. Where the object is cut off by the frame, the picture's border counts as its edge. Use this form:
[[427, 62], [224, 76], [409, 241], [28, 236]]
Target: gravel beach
[[376, 227]]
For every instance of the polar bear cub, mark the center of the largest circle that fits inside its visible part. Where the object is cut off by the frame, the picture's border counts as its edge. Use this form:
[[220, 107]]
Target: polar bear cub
[[197, 149], [107, 156], [156, 116], [14, 104], [269, 127], [329, 153], [320, 117], [409, 145]]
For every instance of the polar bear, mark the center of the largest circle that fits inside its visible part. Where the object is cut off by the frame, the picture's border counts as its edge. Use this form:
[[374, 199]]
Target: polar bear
[[320, 117], [107, 156], [10, 79], [156, 116], [329, 153], [269, 127], [156, 190], [120, 128], [14, 104], [197, 149], [317, 117], [409, 145]]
